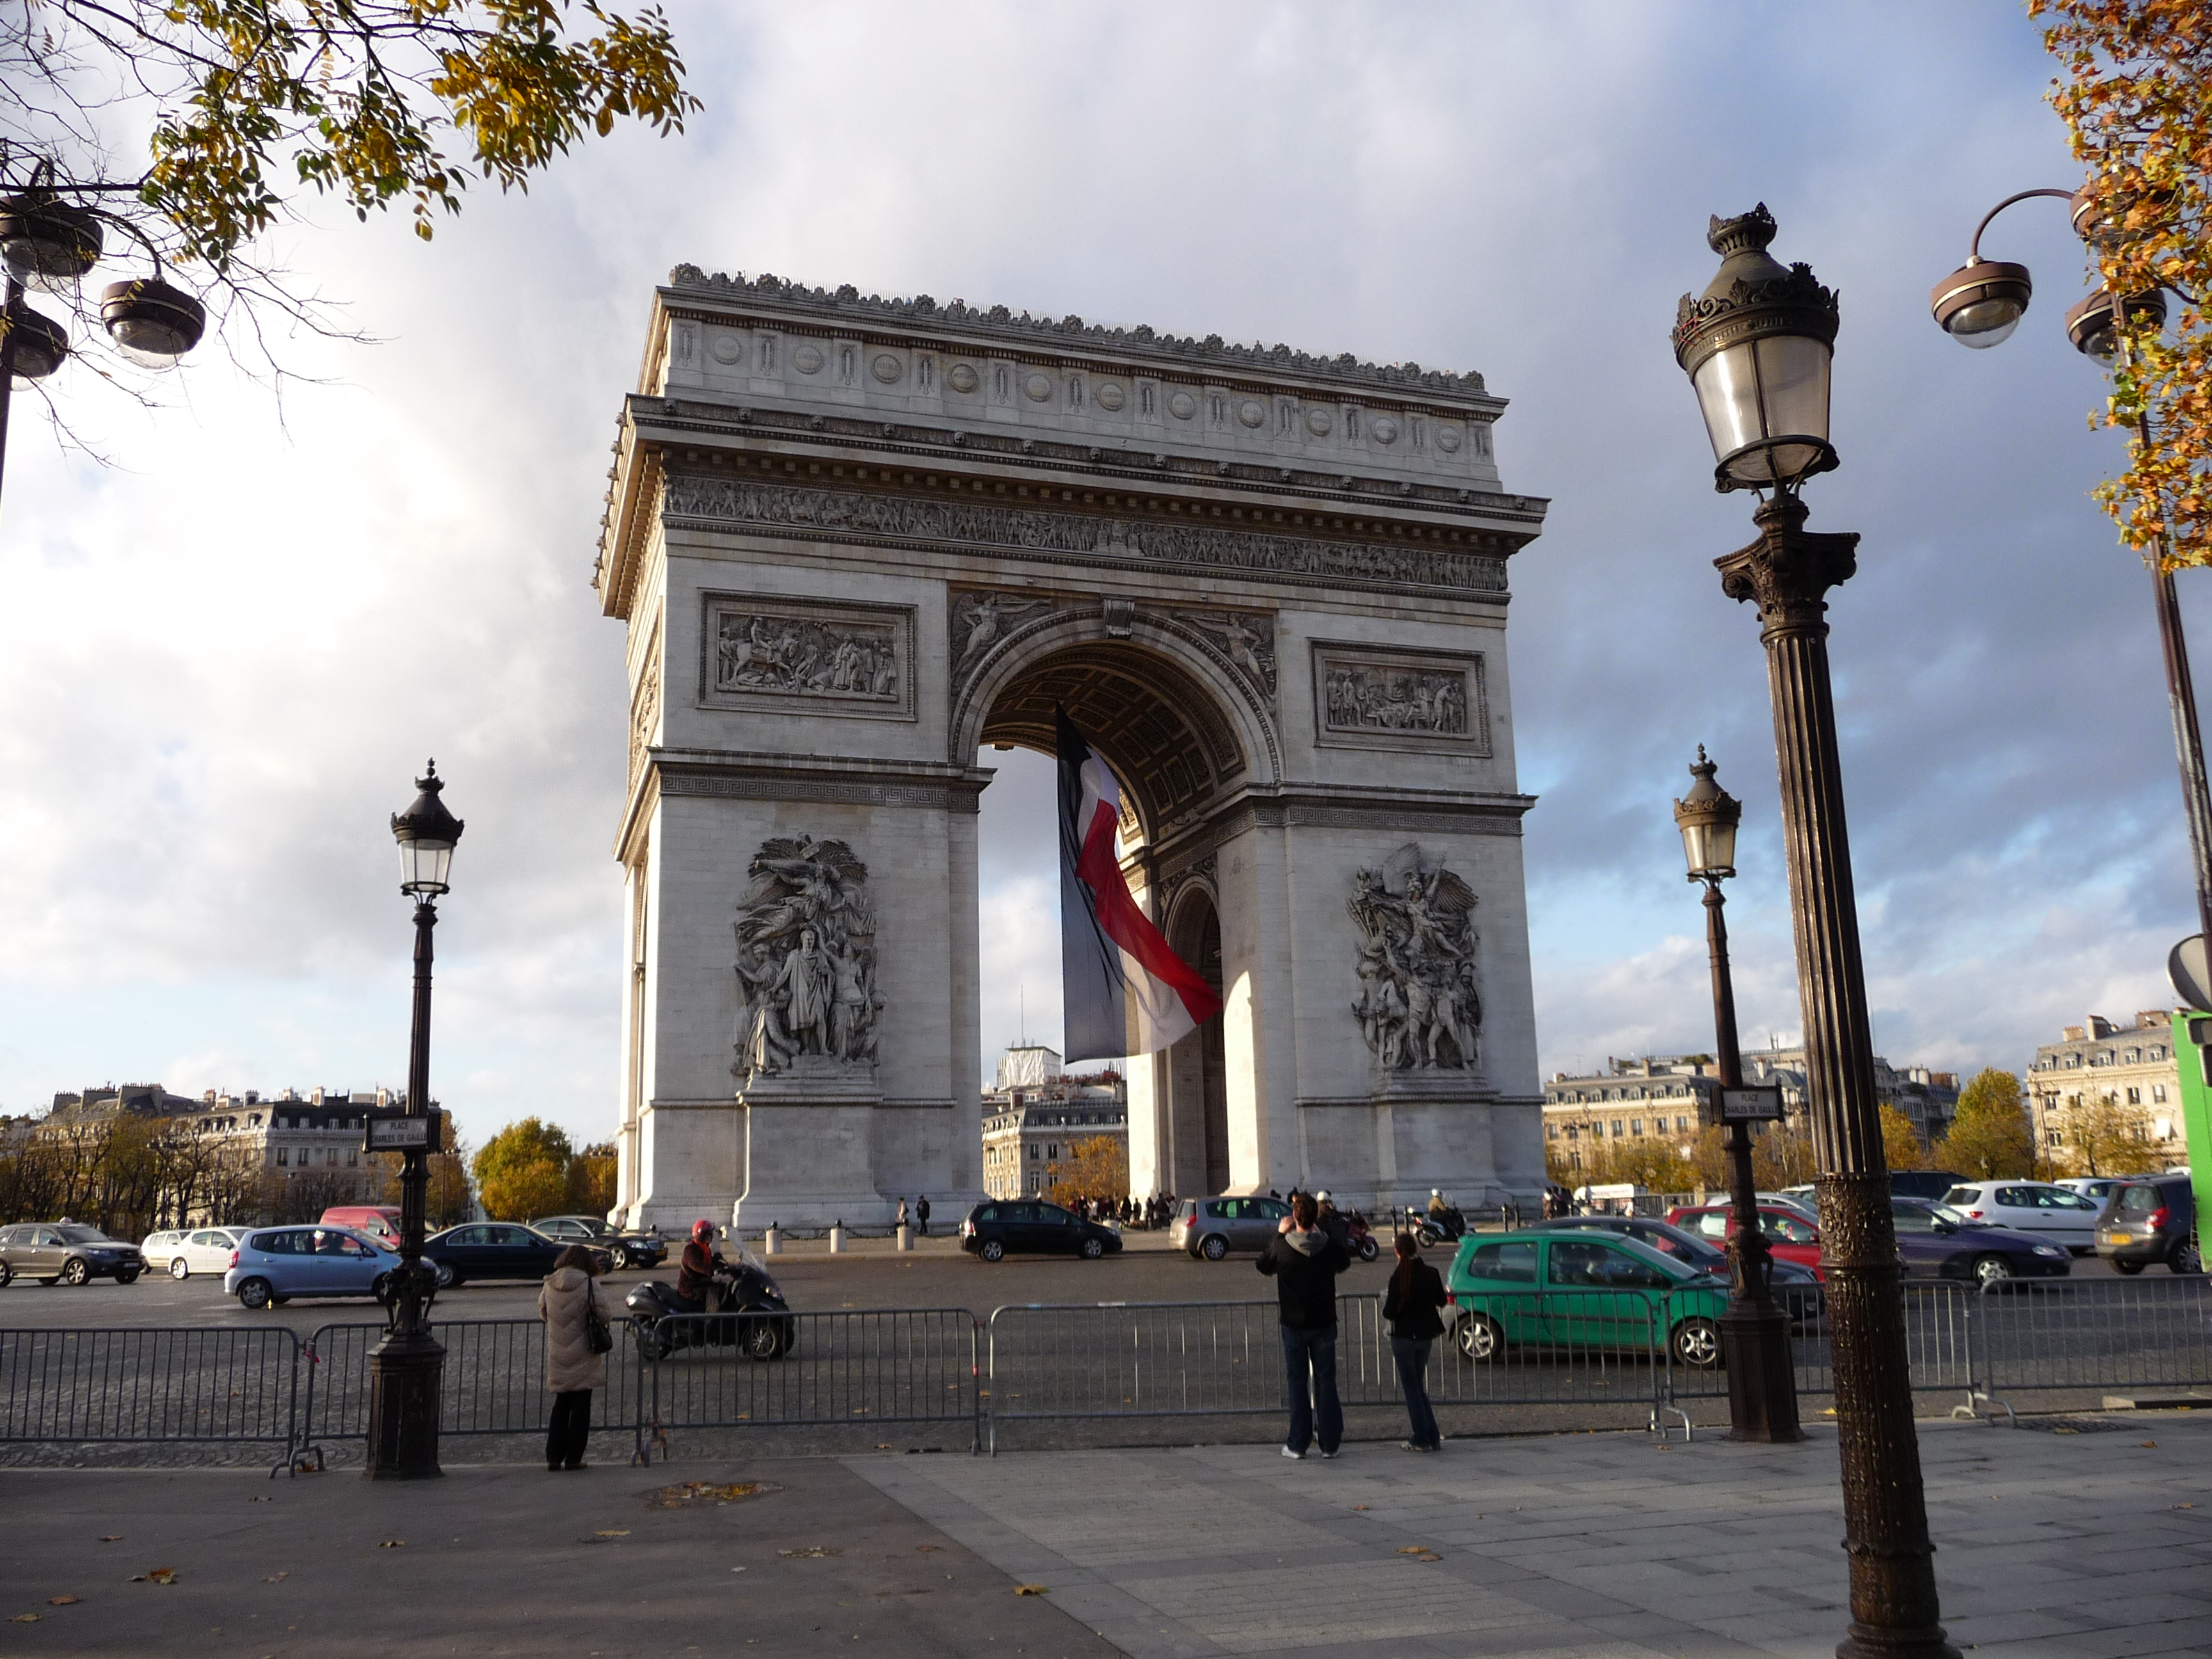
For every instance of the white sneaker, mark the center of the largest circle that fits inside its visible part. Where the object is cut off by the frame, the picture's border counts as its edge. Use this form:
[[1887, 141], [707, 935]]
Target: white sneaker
[[1327, 1455], [1296, 1456]]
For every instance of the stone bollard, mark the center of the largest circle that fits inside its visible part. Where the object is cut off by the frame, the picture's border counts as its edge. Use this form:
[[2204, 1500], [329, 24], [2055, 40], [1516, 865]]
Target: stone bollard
[[905, 1236], [770, 1244], [837, 1238]]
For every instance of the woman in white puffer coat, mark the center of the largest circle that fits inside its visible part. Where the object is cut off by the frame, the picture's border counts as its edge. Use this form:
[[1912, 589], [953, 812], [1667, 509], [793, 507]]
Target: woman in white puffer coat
[[570, 1300]]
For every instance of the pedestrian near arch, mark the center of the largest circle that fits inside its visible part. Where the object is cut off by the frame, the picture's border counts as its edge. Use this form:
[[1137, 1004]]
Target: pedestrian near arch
[[579, 1318], [1411, 1306], [1303, 1259]]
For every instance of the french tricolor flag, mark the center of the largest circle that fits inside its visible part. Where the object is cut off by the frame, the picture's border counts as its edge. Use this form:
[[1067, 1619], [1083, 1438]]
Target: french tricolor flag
[[1123, 991]]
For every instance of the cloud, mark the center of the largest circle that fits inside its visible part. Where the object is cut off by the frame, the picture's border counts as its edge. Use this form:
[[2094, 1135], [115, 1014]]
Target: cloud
[[225, 658]]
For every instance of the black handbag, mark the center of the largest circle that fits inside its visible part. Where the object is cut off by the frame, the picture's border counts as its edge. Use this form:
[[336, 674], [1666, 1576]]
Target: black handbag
[[598, 1335]]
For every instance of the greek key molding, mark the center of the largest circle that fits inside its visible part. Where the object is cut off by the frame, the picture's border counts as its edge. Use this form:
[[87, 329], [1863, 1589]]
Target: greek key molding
[[1420, 701], [851, 514], [947, 798]]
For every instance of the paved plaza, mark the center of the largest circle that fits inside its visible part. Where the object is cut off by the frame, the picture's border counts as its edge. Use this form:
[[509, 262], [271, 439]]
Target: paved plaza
[[2087, 1538]]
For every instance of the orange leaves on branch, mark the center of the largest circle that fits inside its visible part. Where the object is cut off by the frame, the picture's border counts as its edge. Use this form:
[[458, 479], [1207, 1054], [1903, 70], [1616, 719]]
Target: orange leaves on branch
[[2136, 98]]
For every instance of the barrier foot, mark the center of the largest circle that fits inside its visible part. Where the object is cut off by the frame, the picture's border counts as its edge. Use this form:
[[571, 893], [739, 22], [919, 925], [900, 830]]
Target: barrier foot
[[1971, 1412], [1663, 1430]]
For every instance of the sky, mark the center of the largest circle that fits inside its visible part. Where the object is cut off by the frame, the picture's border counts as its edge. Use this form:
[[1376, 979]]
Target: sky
[[235, 632]]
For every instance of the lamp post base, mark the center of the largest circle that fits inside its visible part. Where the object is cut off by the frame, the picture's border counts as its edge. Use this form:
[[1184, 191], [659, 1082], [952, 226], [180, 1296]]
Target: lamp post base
[[405, 1373], [1866, 1642], [1762, 1382]]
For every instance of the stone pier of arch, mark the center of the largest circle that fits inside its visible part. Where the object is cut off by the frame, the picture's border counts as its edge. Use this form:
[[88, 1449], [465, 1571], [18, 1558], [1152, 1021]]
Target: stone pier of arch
[[856, 543]]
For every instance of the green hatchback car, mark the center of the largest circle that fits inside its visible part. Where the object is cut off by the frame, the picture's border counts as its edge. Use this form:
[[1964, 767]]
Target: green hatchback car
[[1583, 1291]]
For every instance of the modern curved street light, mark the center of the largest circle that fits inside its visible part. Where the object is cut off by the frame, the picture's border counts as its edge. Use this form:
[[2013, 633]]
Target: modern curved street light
[[408, 1366], [1757, 346], [1755, 1335], [50, 244], [1979, 305]]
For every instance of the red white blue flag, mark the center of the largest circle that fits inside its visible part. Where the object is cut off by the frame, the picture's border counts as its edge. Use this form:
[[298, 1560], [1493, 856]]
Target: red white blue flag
[[1123, 991]]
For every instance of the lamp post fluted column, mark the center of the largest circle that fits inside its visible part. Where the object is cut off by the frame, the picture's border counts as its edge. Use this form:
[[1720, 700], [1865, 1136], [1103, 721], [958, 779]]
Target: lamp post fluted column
[[1895, 1611]]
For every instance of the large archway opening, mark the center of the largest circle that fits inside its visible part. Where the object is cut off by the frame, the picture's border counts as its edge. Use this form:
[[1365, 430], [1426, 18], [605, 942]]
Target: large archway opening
[[1175, 753]]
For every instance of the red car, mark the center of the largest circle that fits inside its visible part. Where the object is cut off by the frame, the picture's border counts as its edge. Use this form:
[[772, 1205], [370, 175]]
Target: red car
[[1790, 1235]]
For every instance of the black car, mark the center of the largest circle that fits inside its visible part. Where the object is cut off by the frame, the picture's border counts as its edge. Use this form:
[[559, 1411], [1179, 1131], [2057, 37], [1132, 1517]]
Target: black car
[[1937, 1242], [2151, 1221], [628, 1250], [1796, 1287], [1008, 1225], [66, 1252], [496, 1249]]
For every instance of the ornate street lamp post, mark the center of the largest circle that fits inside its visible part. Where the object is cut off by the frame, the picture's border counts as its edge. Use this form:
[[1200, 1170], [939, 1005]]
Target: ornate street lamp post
[[1755, 1335], [1979, 305], [407, 1367], [51, 245], [1756, 345]]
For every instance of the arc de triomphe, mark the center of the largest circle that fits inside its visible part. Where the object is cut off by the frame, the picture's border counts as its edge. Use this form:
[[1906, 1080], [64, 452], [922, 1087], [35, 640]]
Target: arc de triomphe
[[856, 541]]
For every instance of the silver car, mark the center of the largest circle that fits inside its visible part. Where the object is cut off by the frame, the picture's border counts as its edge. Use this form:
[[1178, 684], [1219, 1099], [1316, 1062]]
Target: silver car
[[202, 1251], [275, 1264], [1212, 1227]]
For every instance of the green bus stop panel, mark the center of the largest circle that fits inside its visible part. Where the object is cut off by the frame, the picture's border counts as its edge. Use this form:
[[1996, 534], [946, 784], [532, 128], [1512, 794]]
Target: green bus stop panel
[[2192, 1054]]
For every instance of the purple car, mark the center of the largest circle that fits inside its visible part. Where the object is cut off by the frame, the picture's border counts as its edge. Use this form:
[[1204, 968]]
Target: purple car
[[1938, 1242]]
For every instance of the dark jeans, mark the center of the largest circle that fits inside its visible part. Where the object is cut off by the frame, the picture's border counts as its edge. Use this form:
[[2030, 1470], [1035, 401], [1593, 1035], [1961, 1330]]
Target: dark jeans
[[1309, 1381], [568, 1428], [1412, 1353]]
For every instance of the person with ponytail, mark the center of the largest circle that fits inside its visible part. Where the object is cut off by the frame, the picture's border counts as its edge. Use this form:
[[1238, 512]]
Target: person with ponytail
[[1415, 1294]]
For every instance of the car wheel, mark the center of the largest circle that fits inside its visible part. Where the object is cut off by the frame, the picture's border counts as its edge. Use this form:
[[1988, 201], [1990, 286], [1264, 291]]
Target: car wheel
[[1093, 1249], [7, 1273], [76, 1271], [447, 1277], [1369, 1249], [1697, 1343], [991, 1249], [2186, 1258], [1213, 1246], [179, 1269], [1479, 1338], [253, 1293], [128, 1275], [763, 1341], [2123, 1266], [1992, 1270]]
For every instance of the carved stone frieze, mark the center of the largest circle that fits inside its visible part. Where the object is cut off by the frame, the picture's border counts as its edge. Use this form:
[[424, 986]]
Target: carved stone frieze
[[841, 515], [1245, 639], [807, 961], [645, 712], [761, 654], [978, 619], [1418, 1007], [1367, 698]]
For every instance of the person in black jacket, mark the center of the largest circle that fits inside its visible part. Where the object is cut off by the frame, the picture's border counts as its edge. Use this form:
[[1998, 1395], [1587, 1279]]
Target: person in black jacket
[[1415, 1294], [1304, 1261]]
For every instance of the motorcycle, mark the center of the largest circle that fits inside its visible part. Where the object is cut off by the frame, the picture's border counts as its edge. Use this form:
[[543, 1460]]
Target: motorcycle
[[1364, 1244], [750, 1315], [1430, 1231]]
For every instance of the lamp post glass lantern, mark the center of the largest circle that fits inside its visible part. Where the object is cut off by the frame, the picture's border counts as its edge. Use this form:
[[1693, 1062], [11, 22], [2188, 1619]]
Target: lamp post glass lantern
[[1754, 1333], [408, 1366], [1767, 316]]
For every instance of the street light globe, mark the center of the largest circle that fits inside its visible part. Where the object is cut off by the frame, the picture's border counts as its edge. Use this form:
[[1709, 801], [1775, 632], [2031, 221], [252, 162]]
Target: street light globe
[[152, 322], [1981, 303], [46, 243], [426, 833], [2089, 323], [41, 343], [1756, 345], [1707, 816]]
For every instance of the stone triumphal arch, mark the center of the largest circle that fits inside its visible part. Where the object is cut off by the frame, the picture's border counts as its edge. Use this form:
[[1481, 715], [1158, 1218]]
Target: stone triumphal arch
[[857, 541]]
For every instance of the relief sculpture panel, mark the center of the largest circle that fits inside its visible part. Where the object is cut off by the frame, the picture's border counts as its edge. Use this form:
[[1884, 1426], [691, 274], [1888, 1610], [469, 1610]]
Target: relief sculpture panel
[[1418, 1007], [1368, 699], [806, 960], [860, 657]]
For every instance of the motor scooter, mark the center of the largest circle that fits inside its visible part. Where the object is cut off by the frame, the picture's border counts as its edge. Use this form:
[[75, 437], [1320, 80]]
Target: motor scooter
[[1361, 1236], [1431, 1232], [750, 1315]]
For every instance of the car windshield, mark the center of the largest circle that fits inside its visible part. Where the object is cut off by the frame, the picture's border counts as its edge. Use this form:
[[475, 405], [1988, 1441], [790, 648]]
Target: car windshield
[[1956, 1217], [84, 1236]]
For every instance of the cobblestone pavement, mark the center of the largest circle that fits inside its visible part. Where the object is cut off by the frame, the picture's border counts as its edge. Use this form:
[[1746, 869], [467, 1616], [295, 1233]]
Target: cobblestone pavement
[[2084, 1539]]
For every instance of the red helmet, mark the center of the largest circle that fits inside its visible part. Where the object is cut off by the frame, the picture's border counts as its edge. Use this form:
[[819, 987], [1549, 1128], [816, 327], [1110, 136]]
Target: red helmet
[[703, 1229]]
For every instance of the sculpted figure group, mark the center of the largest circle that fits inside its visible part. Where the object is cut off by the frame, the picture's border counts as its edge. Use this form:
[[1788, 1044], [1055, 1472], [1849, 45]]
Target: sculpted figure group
[[806, 958], [1419, 1008]]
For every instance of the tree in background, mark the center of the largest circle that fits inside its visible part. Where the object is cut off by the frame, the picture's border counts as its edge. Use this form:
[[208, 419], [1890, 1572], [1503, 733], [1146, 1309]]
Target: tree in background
[[1900, 1141], [1990, 1137], [523, 1171], [2137, 100], [2102, 1137], [1097, 1166], [220, 114], [591, 1180], [447, 1199]]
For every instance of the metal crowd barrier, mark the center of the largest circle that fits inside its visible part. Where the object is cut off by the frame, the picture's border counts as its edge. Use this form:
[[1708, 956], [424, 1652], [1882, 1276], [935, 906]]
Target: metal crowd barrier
[[2041, 1335], [865, 1365], [145, 1385]]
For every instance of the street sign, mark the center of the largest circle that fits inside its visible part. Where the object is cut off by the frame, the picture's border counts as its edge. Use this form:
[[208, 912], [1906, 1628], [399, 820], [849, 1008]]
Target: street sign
[[1754, 1103], [2186, 966], [395, 1133]]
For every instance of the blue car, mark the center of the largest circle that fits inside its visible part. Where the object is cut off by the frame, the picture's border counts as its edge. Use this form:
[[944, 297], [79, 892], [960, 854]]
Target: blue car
[[275, 1264]]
